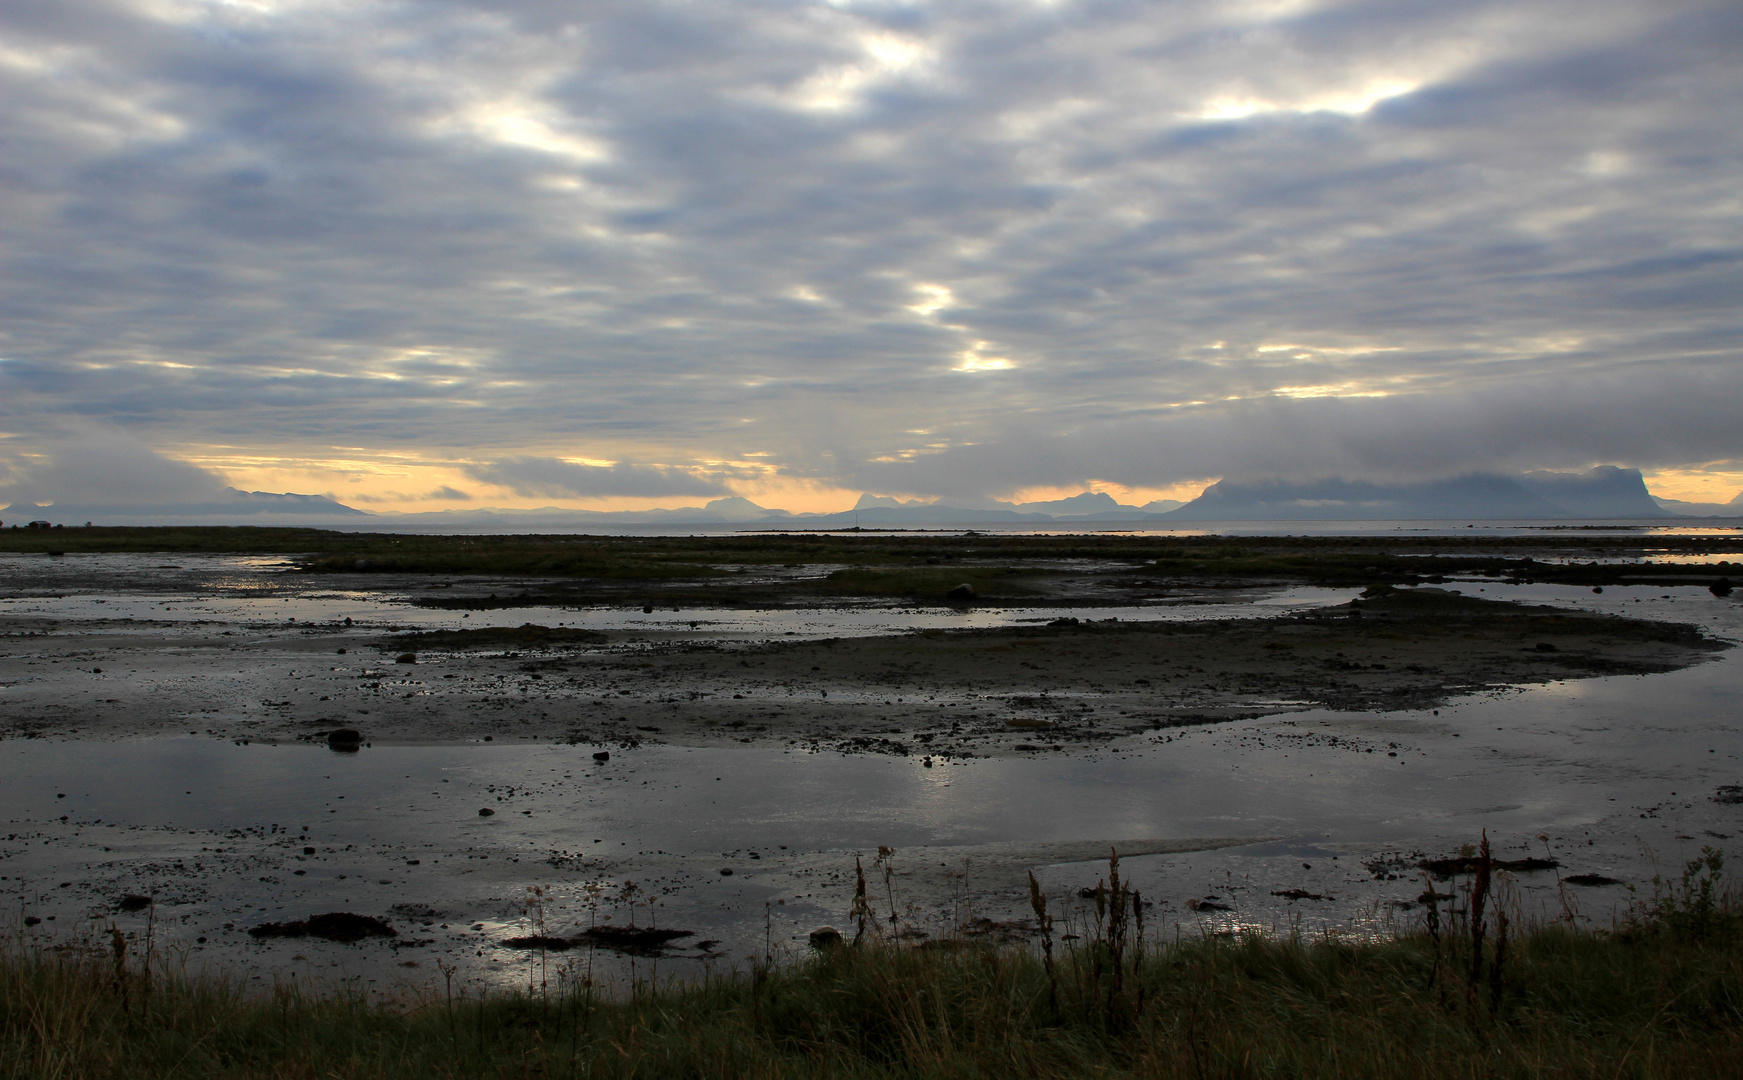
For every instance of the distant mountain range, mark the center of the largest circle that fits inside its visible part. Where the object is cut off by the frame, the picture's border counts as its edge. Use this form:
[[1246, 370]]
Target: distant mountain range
[[1606, 492], [1603, 492]]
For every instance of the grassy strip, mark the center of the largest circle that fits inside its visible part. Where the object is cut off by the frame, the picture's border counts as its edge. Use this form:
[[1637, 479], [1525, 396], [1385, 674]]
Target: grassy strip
[[1661, 996], [1330, 560]]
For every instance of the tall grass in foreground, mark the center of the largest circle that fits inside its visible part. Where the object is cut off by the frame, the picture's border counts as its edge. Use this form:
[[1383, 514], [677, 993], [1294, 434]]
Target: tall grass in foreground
[[1658, 995]]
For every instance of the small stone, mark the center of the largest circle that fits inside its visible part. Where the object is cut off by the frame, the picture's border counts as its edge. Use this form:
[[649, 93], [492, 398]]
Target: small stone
[[602, 755], [826, 937], [486, 812]]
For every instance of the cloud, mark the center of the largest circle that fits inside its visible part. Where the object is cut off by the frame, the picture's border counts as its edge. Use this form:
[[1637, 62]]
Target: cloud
[[448, 494], [962, 242], [107, 476], [100, 467], [1551, 422], [554, 477]]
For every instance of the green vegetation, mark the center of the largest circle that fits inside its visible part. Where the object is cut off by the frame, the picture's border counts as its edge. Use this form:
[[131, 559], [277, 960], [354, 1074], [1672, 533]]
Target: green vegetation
[[1658, 995]]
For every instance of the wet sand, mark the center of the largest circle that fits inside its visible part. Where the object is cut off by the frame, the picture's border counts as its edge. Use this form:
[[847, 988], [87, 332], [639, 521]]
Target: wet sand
[[1285, 766], [942, 694]]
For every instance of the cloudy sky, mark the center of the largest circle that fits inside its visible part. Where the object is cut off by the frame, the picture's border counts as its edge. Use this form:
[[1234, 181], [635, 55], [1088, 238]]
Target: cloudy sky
[[525, 252]]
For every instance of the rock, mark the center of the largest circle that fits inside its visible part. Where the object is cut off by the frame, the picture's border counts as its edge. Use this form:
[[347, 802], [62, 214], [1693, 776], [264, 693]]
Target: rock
[[1721, 587], [542, 942], [334, 926], [647, 609], [1591, 880], [1442, 869], [635, 941], [602, 755], [345, 740], [486, 812], [826, 937], [133, 902], [726, 871], [965, 591], [406, 658]]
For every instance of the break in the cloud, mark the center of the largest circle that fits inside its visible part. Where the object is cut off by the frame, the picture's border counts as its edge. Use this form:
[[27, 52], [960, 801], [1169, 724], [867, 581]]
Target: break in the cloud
[[553, 477], [927, 246]]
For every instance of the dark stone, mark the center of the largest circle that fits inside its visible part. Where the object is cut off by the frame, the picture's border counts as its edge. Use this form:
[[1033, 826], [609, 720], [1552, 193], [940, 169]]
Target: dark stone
[[345, 740], [1721, 587], [340, 926], [133, 902], [406, 658], [1591, 880], [1443, 869], [633, 940], [726, 871], [1545, 646], [602, 755], [486, 812], [825, 938], [540, 941], [1300, 894]]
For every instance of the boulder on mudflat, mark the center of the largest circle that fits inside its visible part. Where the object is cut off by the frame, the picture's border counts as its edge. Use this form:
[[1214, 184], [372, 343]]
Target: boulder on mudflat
[[334, 926], [345, 740]]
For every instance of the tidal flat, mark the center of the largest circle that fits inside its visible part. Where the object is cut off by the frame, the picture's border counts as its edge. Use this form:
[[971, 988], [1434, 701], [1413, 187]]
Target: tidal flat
[[1269, 733]]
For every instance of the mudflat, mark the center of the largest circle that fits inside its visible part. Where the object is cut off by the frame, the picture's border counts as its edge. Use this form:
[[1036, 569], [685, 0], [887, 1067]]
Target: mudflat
[[937, 693]]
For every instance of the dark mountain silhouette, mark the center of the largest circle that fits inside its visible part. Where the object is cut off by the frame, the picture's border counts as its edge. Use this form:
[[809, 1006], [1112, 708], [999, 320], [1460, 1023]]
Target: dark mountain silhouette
[[1603, 492]]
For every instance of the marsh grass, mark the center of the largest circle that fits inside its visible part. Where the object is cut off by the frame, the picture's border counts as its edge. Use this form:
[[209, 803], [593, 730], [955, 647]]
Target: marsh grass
[[1657, 994]]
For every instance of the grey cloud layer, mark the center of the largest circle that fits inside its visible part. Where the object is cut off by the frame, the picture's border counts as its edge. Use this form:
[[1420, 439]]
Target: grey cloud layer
[[664, 232]]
